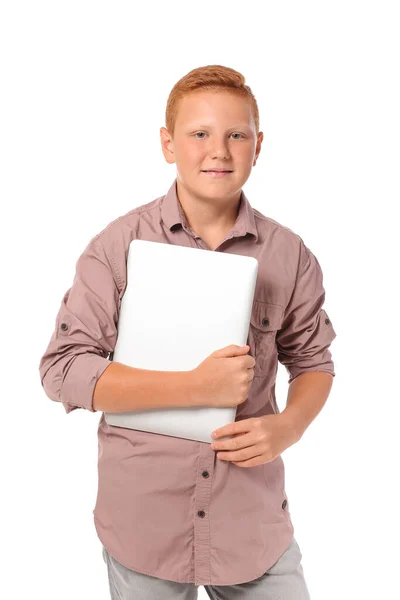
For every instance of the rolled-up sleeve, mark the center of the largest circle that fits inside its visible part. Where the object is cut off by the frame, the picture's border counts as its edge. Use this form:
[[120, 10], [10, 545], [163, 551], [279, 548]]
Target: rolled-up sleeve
[[306, 332], [85, 331]]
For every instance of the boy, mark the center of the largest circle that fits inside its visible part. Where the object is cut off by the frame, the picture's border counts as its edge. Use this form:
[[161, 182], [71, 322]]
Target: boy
[[173, 514]]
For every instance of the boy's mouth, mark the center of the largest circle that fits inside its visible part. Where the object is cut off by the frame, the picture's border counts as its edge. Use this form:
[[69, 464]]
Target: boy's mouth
[[217, 174]]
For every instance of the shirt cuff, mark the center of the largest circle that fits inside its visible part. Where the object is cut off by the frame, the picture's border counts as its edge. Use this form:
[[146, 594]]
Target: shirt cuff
[[80, 380]]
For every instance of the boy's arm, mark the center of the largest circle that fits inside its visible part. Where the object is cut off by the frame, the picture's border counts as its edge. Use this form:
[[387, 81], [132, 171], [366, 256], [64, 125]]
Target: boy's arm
[[306, 397], [122, 388], [303, 345], [75, 369]]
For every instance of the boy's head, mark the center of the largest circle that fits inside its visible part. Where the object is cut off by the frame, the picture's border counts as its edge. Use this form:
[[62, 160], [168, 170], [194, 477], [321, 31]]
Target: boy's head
[[212, 122]]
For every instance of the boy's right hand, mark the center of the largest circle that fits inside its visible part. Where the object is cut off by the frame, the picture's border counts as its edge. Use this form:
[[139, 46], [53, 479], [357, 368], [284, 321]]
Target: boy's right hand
[[224, 378]]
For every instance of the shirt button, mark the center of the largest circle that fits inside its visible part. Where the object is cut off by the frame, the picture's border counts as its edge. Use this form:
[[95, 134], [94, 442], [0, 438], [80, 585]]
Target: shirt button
[[205, 474], [284, 503], [265, 322], [201, 513], [64, 326], [327, 321]]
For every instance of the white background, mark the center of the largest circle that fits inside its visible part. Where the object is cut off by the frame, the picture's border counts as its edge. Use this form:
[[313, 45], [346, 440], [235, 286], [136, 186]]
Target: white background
[[84, 89]]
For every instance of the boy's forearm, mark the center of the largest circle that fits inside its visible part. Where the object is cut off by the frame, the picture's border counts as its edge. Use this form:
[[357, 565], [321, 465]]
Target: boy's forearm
[[307, 395], [121, 388]]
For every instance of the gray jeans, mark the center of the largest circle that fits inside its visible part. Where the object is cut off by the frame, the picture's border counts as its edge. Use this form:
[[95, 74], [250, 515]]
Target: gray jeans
[[283, 581]]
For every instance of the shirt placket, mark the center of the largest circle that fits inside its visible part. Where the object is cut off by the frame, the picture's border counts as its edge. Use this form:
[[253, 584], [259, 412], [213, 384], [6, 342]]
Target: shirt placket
[[207, 457]]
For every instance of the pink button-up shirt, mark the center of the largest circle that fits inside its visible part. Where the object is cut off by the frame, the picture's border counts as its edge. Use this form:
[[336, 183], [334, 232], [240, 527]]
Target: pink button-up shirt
[[166, 506]]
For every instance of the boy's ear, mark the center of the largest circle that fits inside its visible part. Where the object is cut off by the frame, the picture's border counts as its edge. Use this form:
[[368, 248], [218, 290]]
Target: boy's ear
[[167, 145], [260, 138]]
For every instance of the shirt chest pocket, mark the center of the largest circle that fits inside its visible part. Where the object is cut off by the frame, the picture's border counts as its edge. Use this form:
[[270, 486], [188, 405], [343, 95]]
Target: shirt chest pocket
[[265, 321]]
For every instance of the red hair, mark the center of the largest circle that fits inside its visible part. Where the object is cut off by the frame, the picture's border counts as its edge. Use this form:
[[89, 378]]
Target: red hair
[[211, 77]]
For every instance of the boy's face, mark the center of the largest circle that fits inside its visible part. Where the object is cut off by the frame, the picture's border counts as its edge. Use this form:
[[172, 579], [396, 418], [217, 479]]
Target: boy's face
[[213, 130]]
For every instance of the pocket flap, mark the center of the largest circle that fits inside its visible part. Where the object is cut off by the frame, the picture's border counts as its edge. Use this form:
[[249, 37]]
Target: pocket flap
[[266, 316]]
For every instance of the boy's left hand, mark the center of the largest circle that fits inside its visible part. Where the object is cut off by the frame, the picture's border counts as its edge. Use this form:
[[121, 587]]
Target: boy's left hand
[[256, 440]]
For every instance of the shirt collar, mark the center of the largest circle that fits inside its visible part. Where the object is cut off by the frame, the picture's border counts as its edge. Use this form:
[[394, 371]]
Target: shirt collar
[[172, 213]]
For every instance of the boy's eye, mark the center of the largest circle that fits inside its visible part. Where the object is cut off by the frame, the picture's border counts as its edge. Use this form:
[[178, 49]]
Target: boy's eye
[[199, 132]]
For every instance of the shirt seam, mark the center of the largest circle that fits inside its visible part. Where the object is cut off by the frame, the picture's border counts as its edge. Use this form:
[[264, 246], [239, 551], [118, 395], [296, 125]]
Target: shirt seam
[[299, 268], [111, 260]]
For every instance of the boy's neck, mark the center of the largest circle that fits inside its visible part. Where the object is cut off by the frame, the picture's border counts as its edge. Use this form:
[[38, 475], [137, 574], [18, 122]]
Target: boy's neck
[[211, 221]]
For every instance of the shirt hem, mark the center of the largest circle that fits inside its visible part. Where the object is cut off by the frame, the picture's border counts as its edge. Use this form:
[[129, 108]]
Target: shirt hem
[[197, 584], [132, 568]]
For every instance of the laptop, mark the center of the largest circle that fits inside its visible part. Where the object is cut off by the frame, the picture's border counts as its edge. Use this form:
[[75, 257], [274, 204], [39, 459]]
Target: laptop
[[180, 305]]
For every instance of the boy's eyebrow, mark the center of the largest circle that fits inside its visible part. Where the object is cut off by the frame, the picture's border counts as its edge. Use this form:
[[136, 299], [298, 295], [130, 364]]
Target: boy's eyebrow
[[238, 125]]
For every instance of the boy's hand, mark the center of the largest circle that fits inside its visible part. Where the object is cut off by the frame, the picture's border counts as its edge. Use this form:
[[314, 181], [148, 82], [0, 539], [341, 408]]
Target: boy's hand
[[224, 378], [256, 441]]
